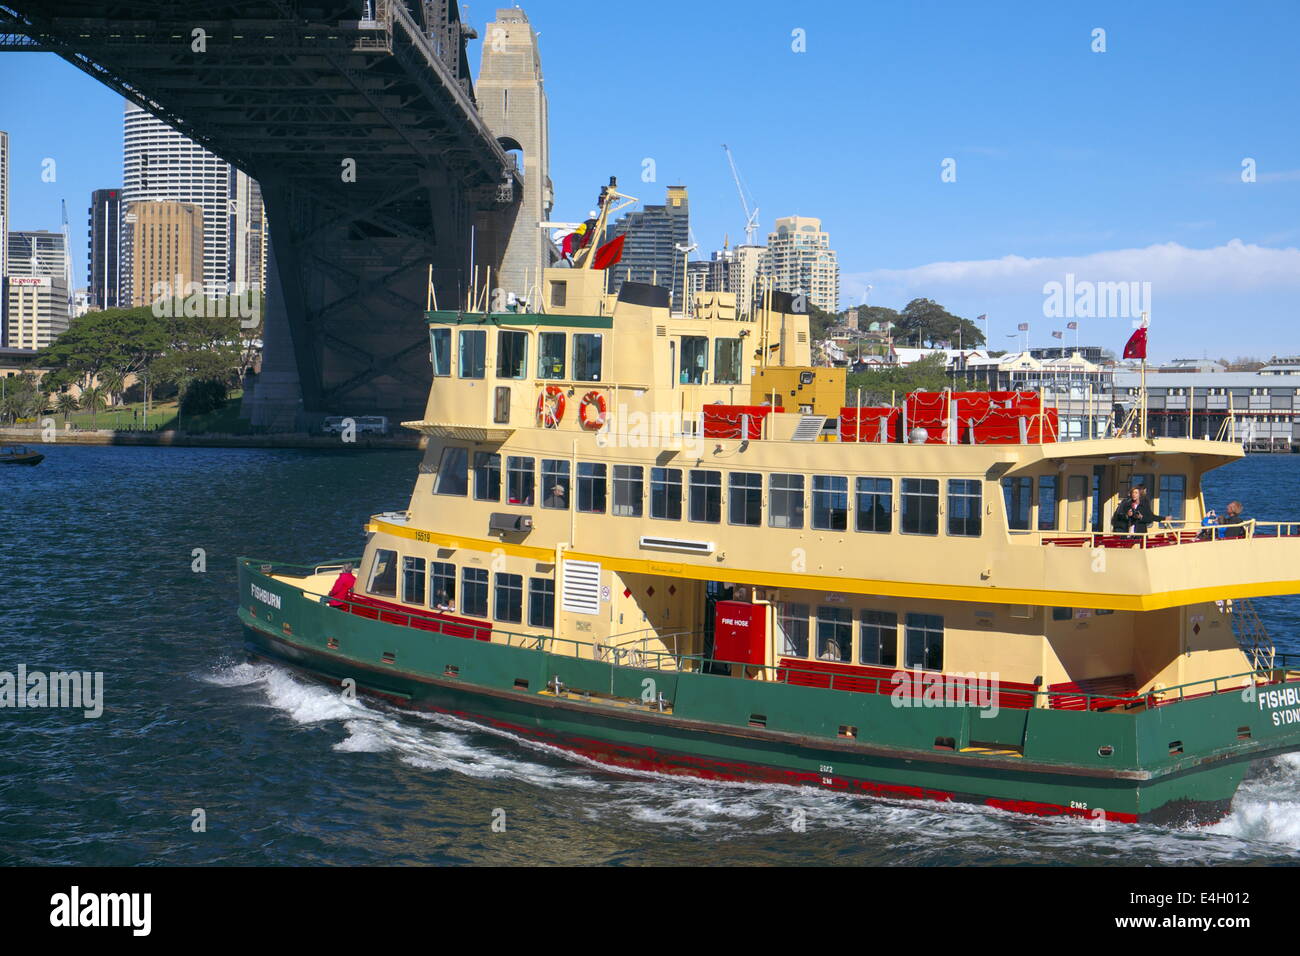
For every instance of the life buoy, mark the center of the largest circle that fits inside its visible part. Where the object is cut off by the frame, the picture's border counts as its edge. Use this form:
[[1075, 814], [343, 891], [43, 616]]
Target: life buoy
[[550, 406], [598, 400]]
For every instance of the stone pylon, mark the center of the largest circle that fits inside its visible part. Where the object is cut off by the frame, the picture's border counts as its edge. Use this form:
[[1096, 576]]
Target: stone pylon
[[512, 102]]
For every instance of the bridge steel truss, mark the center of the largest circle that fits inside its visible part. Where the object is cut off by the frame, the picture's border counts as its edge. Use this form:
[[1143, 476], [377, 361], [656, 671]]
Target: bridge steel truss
[[359, 122]]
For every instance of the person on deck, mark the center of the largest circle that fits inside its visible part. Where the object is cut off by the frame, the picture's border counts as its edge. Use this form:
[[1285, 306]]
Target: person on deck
[[1135, 513], [343, 585], [556, 498], [1235, 518]]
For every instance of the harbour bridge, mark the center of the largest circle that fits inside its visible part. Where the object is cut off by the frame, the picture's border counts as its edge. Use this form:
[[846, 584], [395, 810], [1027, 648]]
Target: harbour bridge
[[359, 121]]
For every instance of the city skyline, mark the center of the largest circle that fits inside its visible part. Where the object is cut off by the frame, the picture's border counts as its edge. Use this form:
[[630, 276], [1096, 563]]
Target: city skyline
[[1122, 165]]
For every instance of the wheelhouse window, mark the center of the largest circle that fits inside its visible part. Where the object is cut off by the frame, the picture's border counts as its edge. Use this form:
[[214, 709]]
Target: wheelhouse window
[[487, 476], [541, 602], [727, 358], [508, 599], [1048, 499], [442, 586], [453, 472], [592, 487], [383, 574], [550, 355], [792, 622], [555, 483], [919, 501], [440, 351], [706, 496], [1173, 496], [473, 353], [785, 501], [695, 359], [474, 592], [830, 502], [1017, 493], [878, 638], [512, 354], [924, 642], [666, 493], [745, 498], [875, 511], [964, 507], [586, 357], [629, 491], [834, 633], [413, 580], [520, 478]]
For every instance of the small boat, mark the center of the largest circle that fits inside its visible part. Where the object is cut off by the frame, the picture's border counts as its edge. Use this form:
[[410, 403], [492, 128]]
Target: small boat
[[19, 455]]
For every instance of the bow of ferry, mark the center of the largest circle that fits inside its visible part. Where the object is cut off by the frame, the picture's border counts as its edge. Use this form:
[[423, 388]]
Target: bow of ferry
[[660, 541]]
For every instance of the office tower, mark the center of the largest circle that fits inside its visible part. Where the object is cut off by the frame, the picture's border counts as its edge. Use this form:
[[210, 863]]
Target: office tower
[[799, 260], [167, 239], [37, 289], [104, 252], [653, 251], [4, 223]]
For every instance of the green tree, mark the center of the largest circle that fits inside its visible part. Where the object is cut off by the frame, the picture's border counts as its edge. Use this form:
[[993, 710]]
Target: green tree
[[927, 322], [880, 385], [92, 399], [65, 403], [21, 398]]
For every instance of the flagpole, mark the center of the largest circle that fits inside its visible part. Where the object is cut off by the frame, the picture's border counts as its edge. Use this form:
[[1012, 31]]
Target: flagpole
[[1144, 381]]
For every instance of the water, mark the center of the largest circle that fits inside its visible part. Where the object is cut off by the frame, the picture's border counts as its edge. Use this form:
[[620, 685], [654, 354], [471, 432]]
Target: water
[[96, 548]]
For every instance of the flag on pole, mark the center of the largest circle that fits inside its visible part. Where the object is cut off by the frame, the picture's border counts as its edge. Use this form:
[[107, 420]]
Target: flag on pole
[[1023, 326], [1137, 344], [1058, 335], [980, 318], [1072, 326], [609, 254]]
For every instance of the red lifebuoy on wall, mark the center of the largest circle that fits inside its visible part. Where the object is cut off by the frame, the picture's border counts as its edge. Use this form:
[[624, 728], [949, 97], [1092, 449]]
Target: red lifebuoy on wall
[[550, 406], [596, 399]]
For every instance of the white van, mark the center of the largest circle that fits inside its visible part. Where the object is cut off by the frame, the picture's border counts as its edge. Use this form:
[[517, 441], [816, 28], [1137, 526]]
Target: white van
[[364, 424]]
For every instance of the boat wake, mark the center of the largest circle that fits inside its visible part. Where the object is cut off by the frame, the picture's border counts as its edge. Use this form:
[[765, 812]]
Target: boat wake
[[1264, 823]]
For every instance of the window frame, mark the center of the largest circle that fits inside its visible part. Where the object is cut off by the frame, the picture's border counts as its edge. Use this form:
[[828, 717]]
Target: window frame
[[698, 481], [860, 493], [477, 353], [920, 499], [444, 471], [470, 591], [748, 497], [674, 503]]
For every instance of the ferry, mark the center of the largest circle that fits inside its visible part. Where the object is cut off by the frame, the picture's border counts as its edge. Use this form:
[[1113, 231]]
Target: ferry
[[667, 542]]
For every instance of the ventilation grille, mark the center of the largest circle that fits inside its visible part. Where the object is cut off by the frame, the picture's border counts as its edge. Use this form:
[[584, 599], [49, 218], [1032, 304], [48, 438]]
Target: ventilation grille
[[809, 428], [661, 330], [678, 544], [580, 592]]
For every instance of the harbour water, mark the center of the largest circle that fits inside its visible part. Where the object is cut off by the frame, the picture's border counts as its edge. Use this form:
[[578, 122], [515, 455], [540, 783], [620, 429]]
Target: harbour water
[[98, 549]]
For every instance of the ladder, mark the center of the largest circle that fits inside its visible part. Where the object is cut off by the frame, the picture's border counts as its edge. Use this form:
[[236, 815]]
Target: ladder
[[1252, 636]]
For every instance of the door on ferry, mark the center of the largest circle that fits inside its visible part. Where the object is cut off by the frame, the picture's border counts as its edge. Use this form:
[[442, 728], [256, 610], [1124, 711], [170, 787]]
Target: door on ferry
[[1077, 501], [713, 593]]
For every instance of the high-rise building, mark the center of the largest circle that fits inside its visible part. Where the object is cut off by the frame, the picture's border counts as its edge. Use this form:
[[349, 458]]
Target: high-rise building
[[161, 165], [104, 253], [167, 239], [799, 260], [653, 251], [37, 293], [4, 223]]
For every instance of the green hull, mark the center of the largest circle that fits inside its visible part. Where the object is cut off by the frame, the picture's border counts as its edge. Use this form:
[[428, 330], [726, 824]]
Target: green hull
[[727, 728]]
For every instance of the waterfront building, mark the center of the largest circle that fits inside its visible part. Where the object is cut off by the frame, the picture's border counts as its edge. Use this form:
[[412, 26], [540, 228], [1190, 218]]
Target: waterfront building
[[167, 238], [799, 260], [652, 251], [103, 260], [37, 295]]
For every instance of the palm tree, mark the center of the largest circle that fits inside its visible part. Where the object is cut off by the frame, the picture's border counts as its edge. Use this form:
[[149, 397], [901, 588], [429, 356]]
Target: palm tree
[[113, 384], [92, 399], [66, 403]]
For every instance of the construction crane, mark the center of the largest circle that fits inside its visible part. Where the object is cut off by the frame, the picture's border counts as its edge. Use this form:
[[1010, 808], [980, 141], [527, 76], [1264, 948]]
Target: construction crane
[[751, 215]]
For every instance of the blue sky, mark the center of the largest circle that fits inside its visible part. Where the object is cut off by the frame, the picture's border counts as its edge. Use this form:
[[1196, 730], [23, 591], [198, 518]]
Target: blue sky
[[1123, 165]]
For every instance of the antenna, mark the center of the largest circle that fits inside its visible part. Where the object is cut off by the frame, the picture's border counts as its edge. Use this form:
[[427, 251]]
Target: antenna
[[751, 215], [67, 255]]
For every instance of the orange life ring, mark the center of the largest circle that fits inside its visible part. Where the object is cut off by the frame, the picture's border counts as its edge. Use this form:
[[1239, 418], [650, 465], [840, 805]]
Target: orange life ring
[[597, 399], [550, 406]]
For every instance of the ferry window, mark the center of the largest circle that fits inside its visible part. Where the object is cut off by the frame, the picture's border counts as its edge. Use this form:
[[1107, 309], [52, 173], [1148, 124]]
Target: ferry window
[[695, 359], [964, 507], [555, 483], [413, 580], [508, 600], [830, 502], [1062, 613], [559, 294], [785, 501], [875, 505], [924, 642], [919, 503], [1048, 496], [473, 352], [512, 354], [442, 586], [586, 357], [745, 498], [834, 633], [487, 476], [453, 472], [629, 481], [520, 477], [440, 351], [383, 574], [706, 496], [792, 622], [1173, 496], [666, 493], [727, 357], [474, 591], [550, 355], [592, 487], [541, 602], [1016, 492], [878, 638]]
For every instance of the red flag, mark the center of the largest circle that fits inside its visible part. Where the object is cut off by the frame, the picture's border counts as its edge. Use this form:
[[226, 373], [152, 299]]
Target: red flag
[[1137, 344], [609, 254]]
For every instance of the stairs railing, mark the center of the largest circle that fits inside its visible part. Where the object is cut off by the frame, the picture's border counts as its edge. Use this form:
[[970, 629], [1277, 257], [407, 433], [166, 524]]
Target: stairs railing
[[1251, 634]]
